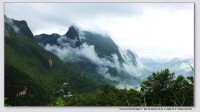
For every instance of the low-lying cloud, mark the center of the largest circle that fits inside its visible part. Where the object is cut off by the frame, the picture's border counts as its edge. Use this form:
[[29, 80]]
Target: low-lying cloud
[[125, 71], [12, 24], [68, 54]]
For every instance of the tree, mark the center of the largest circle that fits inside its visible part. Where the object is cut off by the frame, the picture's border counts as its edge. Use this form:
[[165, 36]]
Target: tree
[[108, 95], [156, 89], [183, 91], [163, 89]]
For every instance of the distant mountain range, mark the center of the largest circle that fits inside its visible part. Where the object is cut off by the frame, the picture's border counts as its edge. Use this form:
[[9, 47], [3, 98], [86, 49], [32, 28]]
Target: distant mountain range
[[179, 66]]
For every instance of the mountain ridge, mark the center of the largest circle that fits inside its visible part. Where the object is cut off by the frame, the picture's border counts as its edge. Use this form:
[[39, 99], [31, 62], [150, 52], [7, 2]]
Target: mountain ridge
[[104, 53], [27, 69]]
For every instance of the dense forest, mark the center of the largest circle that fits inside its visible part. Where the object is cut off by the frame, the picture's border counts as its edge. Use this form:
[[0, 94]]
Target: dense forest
[[160, 89]]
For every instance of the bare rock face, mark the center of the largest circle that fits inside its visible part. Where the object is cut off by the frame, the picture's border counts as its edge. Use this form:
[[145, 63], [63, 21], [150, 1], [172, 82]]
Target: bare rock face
[[50, 63]]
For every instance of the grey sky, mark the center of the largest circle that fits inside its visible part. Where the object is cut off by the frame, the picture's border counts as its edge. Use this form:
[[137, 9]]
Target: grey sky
[[159, 30], [65, 14]]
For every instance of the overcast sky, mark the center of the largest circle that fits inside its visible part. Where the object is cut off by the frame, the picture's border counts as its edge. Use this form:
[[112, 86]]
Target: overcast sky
[[157, 30]]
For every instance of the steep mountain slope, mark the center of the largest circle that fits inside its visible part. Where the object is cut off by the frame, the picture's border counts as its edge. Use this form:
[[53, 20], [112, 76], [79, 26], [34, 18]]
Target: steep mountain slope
[[95, 54], [104, 45], [30, 79]]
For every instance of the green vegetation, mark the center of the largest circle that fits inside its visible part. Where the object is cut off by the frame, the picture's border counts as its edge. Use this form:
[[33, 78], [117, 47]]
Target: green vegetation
[[160, 89], [31, 81], [26, 66], [59, 102]]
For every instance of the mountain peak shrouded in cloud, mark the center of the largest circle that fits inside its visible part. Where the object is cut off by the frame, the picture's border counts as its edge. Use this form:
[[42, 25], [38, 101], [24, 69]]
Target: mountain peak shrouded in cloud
[[72, 32], [73, 36], [96, 52], [19, 26]]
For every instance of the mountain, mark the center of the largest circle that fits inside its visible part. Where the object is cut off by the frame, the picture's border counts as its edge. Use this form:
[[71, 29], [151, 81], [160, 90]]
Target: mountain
[[104, 45], [94, 53], [42, 68], [47, 39], [33, 75], [19, 27], [73, 37], [97, 54], [179, 66]]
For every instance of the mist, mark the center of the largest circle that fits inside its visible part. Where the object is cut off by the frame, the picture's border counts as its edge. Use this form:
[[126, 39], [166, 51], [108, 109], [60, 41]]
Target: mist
[[11, 23], [69, 54], [156, 30]]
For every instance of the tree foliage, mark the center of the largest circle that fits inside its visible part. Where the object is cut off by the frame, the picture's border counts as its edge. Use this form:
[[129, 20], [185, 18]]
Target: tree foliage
[[163, 89], [159, 89]]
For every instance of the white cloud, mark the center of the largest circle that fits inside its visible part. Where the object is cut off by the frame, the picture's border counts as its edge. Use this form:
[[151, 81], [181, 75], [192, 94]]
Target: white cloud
[[157, 33], [157, 30], [104, 71], [12, 24], [85, 52]]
